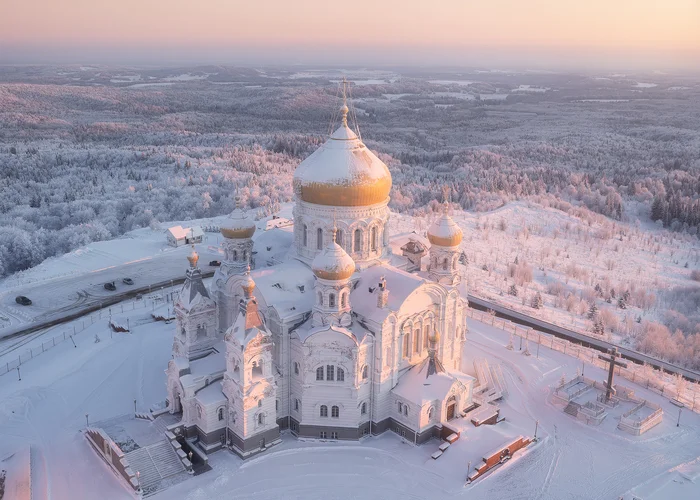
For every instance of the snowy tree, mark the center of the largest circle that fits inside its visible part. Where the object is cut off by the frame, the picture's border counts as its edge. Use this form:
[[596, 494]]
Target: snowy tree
[[513, 290], [593, 311], [537, 301]]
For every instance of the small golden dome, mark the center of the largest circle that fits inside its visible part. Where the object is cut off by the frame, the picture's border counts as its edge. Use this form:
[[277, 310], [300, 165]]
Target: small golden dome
[[445, 232], [238, 225], [343, 172], [193, 257], [248, 285], [333, 263]]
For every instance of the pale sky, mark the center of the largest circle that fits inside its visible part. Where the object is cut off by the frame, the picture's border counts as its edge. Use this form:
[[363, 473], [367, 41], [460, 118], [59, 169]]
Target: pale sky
[[380, 31]]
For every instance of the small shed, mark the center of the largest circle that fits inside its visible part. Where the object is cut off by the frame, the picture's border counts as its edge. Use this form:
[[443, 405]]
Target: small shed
[[178, 235]]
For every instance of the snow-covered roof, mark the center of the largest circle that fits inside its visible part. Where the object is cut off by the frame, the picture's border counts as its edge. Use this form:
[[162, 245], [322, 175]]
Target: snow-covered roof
[[178, 232], [281, 286], [398, 241], [211, 394], [211, 364], [355, 332], [196, 232], [278, 241], [343, 172], [193, 292], [418, 387], [400, 285]]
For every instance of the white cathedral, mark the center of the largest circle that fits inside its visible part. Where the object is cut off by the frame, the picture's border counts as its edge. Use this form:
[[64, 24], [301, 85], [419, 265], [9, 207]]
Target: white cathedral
[[336, 337]]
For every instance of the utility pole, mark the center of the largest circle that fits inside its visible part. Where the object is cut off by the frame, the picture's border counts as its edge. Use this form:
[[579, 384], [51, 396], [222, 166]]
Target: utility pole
[[19, 375], [537, 423], [678, 424], [134, 406], [87, 420]]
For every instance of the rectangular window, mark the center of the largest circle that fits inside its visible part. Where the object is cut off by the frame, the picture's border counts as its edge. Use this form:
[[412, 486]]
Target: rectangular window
[[319, 373], [323, 435], [334, 435], [330, 375]]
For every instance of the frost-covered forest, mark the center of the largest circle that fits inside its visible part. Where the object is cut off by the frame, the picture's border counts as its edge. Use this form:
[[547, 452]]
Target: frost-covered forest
[[89, 153]]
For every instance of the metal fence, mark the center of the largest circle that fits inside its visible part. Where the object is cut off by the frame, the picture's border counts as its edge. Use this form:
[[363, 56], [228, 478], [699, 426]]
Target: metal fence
[[671, 386], [79, 326]]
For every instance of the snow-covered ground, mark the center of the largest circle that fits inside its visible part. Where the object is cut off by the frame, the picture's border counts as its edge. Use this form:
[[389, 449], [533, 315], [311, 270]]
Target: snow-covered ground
[[48, 408]]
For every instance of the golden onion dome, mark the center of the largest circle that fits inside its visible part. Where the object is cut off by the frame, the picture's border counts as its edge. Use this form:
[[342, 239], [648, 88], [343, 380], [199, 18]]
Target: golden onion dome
[[193, 258], [333, 263], [238, 225], [343, 172], [445, 232], [248, 284]]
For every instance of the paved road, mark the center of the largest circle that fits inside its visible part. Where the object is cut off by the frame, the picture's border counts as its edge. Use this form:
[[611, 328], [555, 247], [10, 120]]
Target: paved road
[[63, 299], [585, 340]]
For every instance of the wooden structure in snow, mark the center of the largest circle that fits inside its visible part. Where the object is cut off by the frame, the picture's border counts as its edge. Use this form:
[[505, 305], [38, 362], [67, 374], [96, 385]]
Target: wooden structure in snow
[[498, 457]]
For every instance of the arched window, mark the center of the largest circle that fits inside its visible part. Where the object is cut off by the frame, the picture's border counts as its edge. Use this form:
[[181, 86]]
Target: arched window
[[416, 340], [305, 236], [245, 254], [431, 410], [400, 407], [365, 372], [341, 375], [444, 264], [343, 299], [221, 414], [261, 419], [296, 405], [201, 331], [324, 411], [296, 368], [426, 334], [363, 409], [357, 243], [405, 410], [331, 300], [260, 403], [319, 373], [329, 372], [257, 369], [235, 255], [335, 412], [373, 238], [320, 299], [339, 237], [405, 344], [319, 239]]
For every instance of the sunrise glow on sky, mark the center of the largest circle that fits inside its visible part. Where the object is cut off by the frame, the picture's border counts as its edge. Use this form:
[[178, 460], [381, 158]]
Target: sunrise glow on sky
[[402, 31]]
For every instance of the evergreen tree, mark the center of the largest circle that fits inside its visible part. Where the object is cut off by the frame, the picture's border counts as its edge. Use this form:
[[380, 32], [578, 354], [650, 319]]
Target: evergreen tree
[[537, 301], [598, 326], [598, 290], [612, 293], [513, 291], [621, 303], [593, 311]]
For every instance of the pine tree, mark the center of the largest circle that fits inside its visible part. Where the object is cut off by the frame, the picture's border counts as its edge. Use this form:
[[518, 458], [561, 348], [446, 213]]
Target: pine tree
[[537, 301], [593, 311], [622, 303], [612, 293], [598, 326], [598, 290], [513, 291]]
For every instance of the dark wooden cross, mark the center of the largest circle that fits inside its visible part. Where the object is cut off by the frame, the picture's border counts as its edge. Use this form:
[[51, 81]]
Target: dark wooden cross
[[611, 371]]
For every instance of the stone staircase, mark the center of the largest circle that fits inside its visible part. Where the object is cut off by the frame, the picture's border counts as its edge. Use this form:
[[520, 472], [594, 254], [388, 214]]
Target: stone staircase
[[572, 409], [155, 463]]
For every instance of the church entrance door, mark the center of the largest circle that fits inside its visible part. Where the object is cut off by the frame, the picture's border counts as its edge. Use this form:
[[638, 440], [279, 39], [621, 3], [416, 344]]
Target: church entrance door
[[451, 411]]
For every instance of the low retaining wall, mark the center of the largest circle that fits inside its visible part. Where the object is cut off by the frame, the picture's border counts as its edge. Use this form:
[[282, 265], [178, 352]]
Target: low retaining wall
[[499, 456], [113, 456]]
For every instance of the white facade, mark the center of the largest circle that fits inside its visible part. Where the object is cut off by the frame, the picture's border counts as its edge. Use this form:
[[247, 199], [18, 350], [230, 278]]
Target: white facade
[[331, 342]]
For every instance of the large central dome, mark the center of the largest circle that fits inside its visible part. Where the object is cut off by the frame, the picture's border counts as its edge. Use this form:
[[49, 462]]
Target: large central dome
[[343, 172]]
